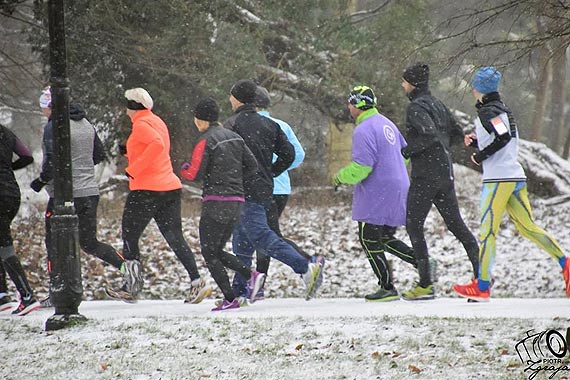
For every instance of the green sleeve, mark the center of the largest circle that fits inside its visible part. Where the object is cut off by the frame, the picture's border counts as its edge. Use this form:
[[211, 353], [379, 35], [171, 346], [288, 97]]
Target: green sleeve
[[353, 173]]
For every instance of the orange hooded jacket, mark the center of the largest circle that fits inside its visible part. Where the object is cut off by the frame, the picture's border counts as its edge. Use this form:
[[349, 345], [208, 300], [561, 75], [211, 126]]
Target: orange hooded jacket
[[148, 152]]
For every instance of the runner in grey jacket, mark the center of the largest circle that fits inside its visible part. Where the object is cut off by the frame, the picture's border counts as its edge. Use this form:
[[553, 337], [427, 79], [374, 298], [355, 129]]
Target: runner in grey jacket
[[86, 152]]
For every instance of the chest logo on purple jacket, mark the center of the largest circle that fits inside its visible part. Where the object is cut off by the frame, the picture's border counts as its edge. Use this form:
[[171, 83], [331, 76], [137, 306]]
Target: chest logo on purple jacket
[[390, 134]]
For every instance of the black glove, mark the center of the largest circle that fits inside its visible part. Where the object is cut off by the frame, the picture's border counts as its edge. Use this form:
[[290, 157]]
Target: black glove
[[123, 149], [37, 184]]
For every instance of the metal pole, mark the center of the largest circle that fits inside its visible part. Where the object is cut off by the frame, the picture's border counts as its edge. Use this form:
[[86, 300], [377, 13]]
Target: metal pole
[[66, 289]]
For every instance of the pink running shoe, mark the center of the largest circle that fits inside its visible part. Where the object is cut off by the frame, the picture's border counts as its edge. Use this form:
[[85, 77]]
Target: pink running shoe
[[225, 305], [254, 284]]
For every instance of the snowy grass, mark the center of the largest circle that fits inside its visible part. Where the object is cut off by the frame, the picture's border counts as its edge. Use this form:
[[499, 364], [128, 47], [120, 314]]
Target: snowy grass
[[341, 339]]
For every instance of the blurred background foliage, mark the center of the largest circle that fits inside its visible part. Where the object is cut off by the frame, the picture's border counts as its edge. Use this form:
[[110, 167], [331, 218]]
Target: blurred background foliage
[[312, 52]]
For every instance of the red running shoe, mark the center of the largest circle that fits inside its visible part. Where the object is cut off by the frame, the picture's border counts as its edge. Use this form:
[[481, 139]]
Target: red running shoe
[[566, 274], [471, 291]]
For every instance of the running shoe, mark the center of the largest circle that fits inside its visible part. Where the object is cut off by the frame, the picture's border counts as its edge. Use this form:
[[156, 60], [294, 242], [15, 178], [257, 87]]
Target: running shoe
[[226, 305], [472, 291], [198, 291], [27, 306], [383, 295], [419, 293]]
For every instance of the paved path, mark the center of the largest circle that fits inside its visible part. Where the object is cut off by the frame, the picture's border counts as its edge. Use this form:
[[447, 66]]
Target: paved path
[[334, 307]]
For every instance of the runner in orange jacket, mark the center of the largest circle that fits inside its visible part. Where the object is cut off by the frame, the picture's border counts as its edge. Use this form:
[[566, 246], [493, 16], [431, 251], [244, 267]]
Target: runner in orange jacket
[[155, 194]]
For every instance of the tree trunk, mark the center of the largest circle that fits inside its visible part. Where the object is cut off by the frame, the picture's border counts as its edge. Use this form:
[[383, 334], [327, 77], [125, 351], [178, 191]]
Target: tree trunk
[[566, 151], [541, 95], [543, 82], [558, 100]]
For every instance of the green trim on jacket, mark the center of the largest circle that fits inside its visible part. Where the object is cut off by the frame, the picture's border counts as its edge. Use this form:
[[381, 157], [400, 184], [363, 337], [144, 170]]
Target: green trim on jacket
[[353, 173], [366, 114]]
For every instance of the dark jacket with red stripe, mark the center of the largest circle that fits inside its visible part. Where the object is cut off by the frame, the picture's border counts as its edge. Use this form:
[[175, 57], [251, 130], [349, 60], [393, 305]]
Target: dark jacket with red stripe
[[222, 160], [264, 137]]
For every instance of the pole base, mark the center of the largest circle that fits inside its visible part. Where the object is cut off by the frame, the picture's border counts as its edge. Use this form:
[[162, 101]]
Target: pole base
[[61, 321]]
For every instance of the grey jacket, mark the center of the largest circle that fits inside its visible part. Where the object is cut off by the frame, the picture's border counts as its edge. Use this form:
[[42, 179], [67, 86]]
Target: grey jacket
[[86, 152]]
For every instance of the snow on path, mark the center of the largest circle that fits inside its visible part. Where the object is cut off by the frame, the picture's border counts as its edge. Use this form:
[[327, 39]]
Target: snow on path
[[523, 308]]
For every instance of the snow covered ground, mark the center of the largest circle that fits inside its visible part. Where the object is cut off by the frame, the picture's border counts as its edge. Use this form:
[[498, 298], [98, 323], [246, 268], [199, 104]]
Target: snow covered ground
[[337, 336], [291, 338]]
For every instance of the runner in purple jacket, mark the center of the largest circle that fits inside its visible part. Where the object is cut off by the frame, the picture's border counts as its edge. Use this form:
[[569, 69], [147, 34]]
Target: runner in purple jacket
[[381, 187]]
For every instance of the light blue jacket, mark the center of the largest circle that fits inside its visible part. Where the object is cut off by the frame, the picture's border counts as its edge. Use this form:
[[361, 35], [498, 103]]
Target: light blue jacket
[[282, 183]]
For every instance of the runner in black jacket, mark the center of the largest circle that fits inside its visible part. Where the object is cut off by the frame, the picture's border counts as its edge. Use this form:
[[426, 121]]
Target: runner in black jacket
[[264, 137], [221, 160], [430, 131], [10, 203]]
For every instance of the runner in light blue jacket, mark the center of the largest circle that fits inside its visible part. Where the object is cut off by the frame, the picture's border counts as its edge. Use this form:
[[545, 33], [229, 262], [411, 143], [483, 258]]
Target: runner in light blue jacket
[[281, 184]]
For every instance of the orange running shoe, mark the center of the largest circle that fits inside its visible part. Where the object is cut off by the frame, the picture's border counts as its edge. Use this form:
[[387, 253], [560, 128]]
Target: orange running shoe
[[471, 291], [566, 274]]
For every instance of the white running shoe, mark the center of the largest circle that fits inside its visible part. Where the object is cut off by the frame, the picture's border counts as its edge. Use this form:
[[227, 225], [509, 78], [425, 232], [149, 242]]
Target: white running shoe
[[198, 291], [133, 277]]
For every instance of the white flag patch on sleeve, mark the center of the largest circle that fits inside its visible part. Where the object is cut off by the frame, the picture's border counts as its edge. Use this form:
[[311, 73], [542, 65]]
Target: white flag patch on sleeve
[[499, 126]]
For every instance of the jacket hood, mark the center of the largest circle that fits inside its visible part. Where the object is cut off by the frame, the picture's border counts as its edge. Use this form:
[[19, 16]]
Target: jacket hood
[[76, 112]]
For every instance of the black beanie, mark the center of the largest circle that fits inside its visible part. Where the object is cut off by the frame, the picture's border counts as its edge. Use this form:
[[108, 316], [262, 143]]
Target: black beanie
[[207, 109], [417, 75], [244, 91], [262, 97]]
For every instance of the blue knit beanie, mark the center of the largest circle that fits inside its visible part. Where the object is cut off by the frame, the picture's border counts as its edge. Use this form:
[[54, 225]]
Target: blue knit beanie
[[486, 80]]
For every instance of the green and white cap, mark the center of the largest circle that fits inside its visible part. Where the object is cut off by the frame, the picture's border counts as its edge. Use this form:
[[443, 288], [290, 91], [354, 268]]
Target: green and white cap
[[362, 97]]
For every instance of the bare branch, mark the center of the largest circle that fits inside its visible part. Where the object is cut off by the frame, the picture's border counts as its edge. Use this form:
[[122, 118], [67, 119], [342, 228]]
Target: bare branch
[[360, 16], [22, 18], [22, 67]]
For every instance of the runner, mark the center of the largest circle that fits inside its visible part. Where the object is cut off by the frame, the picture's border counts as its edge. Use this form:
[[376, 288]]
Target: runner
[[264, 137], [155, 194], [86, 152], [381, 184], [10, 201], [430, 131], [281, 184], [221, 160], [504, 184]]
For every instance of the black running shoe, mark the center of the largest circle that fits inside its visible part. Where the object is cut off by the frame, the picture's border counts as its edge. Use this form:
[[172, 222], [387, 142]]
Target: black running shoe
[[27, 306], [383, 295]]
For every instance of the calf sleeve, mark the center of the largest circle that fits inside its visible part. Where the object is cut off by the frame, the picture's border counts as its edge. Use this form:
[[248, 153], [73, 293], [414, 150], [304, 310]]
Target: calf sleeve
[[14, 269], [3, 284]]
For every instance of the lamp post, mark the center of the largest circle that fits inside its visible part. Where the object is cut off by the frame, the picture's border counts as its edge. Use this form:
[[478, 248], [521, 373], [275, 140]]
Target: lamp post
[[66, 289]]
